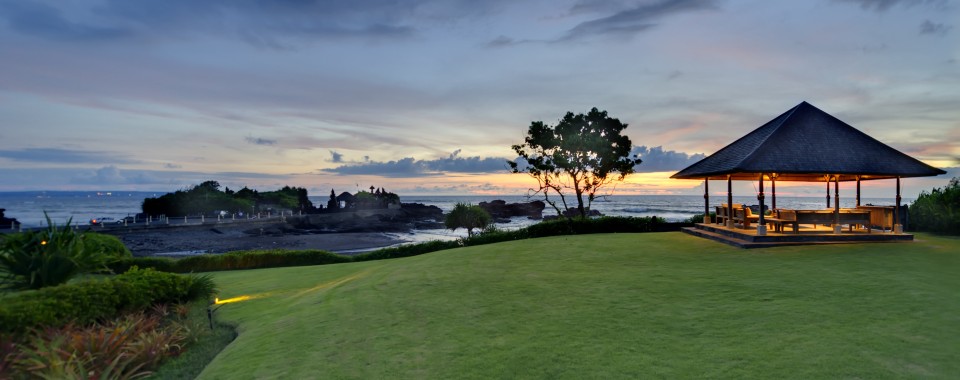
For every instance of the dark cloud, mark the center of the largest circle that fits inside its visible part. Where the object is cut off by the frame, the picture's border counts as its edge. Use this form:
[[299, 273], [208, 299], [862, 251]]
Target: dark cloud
[[411, 167], [884, 5], [270, 24], [172, 166], [42, 20], [656, 159], [635, 19], [63, 156], [336, 157], [936, 29], [260, 141]]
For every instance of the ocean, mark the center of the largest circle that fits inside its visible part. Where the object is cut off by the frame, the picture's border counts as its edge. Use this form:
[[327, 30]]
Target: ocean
[[81, 206]]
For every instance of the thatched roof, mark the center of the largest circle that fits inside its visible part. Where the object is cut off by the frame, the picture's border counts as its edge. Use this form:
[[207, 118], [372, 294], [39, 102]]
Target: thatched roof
[[805, 144]]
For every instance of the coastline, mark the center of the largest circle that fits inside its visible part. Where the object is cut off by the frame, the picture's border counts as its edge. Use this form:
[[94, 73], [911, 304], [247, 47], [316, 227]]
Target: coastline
[[225, 238]]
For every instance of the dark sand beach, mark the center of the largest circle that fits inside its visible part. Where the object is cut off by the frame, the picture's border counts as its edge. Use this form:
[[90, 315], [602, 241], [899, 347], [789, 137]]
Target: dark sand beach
[[225, 238]]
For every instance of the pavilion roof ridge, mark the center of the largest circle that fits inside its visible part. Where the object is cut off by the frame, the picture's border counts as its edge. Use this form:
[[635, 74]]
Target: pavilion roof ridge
[[774, 129]]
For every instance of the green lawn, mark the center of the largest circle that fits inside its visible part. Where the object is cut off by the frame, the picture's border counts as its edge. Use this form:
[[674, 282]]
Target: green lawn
[[656, 305]]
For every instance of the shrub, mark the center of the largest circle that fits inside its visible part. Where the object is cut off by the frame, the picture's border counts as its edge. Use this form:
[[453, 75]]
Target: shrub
[[110, 245], [125, 347], [467, 216], [407, 250], [939, 210], [88, 301], [41, 258], [162, 264], [255, 259]]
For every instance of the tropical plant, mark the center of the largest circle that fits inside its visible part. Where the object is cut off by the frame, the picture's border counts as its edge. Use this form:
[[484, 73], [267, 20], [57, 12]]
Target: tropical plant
[[938, 210], [40, 258], [467, 216], [582, 153]]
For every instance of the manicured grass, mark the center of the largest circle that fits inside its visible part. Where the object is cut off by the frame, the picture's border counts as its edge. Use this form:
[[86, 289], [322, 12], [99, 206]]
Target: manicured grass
[[662, 305]]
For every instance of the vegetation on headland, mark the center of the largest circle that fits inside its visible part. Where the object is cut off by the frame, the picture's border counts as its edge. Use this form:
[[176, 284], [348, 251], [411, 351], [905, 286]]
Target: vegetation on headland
[[582, 153], [664, 305], [207, 199], [938, 210]]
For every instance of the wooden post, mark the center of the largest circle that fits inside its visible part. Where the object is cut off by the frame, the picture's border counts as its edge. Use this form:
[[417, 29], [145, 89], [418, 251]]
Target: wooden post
[[730, 201], [897, 227], [858, 191], [761, 225], [706, 200], [828, 191], [773, 189], [836, 205]]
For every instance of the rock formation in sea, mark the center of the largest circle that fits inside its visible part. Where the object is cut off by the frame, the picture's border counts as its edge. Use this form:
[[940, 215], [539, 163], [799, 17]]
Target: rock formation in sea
[[500, 209]]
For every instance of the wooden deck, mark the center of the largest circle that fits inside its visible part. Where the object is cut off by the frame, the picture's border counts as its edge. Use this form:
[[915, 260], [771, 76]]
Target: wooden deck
[[807, 235]]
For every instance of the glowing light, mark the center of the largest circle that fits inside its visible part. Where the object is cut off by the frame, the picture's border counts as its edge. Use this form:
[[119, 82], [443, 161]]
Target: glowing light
[[43, 242], [218, 301]]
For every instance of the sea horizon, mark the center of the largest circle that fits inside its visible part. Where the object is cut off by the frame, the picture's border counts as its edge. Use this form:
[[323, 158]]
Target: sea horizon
[[28, 207]]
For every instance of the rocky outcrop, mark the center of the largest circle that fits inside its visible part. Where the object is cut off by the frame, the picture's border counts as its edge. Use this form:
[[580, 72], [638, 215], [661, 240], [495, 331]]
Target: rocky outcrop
[[500, 209], [5, 222], [409, 216]]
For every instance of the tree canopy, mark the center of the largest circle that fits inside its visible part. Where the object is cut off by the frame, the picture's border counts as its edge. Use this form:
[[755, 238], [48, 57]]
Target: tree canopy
[[467, 216], [582, 154]]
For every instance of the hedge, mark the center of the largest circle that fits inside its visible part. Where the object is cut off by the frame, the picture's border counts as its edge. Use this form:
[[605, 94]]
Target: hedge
[[95, 299]]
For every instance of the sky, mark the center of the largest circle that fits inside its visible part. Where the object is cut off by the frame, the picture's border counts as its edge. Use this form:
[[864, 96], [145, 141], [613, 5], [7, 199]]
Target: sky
[[427, 96]]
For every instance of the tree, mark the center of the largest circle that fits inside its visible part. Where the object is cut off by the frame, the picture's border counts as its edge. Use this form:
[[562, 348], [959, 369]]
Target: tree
[[467, 216], [581, 153]]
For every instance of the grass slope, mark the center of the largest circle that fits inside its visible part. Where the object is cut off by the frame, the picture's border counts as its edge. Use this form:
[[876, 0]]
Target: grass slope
[[605, 306]]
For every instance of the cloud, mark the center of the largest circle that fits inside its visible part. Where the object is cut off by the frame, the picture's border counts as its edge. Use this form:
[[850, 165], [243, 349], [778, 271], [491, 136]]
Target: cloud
[[938, 29], [884, 5], [260, 141], [111, 175], [63, 156], [279, 25], [42, 20], [336, 157], [656, 159], [172, 166], [633, 20], [411, 167]]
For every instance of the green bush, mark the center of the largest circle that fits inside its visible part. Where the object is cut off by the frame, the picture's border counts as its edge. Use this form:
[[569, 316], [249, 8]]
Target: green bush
[[258, 259], [162, 264], [91, 300], [939, 210], [110, 245], [407, 250], [41, 258], [467, 216]]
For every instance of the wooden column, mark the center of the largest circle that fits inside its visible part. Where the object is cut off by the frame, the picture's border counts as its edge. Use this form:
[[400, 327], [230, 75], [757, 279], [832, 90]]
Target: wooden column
[[761, 225], [897, 227], [773, 190], [858, 191], [706, 200], [730, 201], [836, 205], [828, 191]]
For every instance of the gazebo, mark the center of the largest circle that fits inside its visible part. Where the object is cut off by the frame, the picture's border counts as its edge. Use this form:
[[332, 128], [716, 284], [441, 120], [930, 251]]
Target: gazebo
[[805, 144]]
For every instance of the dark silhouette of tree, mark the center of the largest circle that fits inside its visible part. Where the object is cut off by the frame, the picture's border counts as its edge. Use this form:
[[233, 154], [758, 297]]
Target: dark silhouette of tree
[[582, 153]]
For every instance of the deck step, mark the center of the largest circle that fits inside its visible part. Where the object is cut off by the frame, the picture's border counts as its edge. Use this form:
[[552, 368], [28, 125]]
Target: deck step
[[741, 240]]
